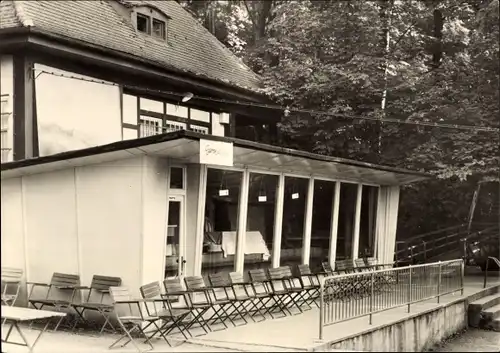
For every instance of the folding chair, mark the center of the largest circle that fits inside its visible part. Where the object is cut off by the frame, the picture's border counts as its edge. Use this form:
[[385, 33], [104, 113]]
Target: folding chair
[[327, 268], [281, 282], [352, 286], [242, 289], [130, 322], [310, 282], [100, 286], [221, 287], [157, 306], [63, 284], [261, 285], [174, 291], [196, 284], [11, 284]]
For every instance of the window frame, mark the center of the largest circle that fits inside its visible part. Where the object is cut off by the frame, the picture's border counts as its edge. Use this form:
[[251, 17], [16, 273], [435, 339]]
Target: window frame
[[148, 23], [163, 35]]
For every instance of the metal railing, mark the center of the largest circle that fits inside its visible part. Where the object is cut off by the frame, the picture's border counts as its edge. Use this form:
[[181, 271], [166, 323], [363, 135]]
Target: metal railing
[[351, 296], [497, 263], [426, 246]]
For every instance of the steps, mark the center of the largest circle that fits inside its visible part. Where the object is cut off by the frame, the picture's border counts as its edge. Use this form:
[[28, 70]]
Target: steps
[[484, 312]]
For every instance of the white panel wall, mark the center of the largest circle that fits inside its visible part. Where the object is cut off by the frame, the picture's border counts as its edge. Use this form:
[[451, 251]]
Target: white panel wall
[[85, 220], [12, 224], [154, 218], [74, 114], [7, 93], [386, 223], [109, 203], [50, 216]]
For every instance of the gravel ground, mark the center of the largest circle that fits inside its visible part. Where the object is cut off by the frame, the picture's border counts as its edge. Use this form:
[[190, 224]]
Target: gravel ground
[[472, 340]]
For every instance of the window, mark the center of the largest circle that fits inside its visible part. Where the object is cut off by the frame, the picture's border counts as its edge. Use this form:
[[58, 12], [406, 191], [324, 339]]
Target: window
[[150, 126], [159, 29], [143, 23]]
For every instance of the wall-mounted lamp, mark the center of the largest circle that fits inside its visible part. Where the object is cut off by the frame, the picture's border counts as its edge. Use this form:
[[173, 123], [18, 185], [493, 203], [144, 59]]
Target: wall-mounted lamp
[[187, 97]]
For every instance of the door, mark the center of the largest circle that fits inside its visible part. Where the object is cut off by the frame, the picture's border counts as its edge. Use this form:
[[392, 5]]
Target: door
[[175, 238]]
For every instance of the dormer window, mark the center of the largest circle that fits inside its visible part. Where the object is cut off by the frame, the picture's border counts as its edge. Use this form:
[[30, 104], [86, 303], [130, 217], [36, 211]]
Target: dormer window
[[143, 23], [159, 29], [151, 22]]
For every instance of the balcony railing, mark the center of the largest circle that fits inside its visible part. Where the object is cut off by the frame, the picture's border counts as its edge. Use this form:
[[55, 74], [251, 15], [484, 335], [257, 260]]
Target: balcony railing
[[351, 296]]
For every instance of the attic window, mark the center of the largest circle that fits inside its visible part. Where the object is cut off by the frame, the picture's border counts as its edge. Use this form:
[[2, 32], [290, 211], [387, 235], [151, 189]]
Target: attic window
[[159, 29], [143, 23], [151, 25]]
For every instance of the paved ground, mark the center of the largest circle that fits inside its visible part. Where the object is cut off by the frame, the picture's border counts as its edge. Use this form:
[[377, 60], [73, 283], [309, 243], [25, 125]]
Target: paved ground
[[473, 340], [295, 333]]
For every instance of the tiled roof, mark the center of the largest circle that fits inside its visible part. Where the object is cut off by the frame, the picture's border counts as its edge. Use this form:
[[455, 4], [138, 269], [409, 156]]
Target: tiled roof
[[190, 48]]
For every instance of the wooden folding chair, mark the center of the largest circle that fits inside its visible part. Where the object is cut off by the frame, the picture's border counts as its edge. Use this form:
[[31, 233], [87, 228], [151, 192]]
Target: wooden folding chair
[[158, 306], [175, 291], [310, 282], [196, 284], [282, 285], [327, 268], [63, 284], [261, 285], [221, 289], [99, 286], [245, 290], [11, 284], [132, 321]]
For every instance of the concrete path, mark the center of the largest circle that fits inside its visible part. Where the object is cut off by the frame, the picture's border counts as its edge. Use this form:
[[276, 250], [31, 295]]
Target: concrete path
[[472, 340]]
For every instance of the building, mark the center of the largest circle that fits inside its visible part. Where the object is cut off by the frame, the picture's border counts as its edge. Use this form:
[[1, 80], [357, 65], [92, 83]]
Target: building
[[108, 170]]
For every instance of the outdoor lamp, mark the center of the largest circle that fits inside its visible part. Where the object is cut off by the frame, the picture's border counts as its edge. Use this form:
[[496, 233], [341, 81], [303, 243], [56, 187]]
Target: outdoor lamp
[[187, 97]]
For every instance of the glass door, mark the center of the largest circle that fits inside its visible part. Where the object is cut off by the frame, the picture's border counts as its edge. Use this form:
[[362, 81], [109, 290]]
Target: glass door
[[174, 243]]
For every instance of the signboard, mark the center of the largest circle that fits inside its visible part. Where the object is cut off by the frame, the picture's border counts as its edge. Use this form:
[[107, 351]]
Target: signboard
[[216, 153]]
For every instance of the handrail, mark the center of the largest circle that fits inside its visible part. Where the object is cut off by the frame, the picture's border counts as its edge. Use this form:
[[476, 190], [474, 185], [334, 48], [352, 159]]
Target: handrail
[[430, 245], [486, 269], [350, 296]]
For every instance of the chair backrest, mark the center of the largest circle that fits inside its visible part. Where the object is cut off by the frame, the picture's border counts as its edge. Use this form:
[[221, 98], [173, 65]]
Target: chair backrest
[[236, 277], [173, 285], [152, 291], [258, 275], [371, 261], [304, 270], [360, 263], [103, 283], [119, 293], [64, 279], [219, 279], [276, 273], [327, 267], [344, 266], [194, 282], [11, 274]]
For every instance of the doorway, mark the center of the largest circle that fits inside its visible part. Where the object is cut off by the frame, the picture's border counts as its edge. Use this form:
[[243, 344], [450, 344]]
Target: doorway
[[175, 260]]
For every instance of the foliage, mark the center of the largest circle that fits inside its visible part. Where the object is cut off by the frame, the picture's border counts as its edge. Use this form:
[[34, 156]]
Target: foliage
[[432, 60]]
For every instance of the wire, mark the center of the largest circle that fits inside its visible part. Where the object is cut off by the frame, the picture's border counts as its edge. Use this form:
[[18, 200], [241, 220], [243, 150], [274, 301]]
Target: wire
[[280, 108]]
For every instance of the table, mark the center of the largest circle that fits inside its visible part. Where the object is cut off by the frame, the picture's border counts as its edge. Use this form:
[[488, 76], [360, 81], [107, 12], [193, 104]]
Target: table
[[14, 315]]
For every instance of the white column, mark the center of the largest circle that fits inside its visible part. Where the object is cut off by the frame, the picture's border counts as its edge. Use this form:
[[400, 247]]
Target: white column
[[306, 243], [200, 220], [392, 222], [334, 225], [278, 221], [357, 219], [239, 259]]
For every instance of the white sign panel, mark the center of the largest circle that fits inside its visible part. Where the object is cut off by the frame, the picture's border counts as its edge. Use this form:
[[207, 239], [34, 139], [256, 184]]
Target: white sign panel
[[216, 153]]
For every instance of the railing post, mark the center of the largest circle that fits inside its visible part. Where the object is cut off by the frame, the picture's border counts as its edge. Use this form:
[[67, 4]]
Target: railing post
[[321, 306], [372, 281], [462, 276], [439, 283], [409, 289]]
